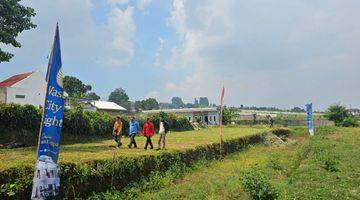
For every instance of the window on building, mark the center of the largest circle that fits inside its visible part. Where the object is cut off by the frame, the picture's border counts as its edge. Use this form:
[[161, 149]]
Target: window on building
[[18, 96]]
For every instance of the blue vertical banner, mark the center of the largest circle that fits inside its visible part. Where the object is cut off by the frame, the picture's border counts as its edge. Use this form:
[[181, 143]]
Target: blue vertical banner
[[46, 182], [309, 118]]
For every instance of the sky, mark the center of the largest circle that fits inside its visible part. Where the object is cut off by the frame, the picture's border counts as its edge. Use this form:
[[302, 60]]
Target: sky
[[265, 52]]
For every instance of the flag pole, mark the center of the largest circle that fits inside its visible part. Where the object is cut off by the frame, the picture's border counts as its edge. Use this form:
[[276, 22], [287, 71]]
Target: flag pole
[[46, 91], [221, 132], [221, 118]]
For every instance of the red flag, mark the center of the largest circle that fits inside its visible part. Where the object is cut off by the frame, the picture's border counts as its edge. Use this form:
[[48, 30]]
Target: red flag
[[222, 97]]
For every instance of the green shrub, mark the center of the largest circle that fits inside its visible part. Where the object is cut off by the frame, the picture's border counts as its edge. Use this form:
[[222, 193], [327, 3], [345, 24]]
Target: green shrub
[[16, 117], [330, 163], [21, 123], [228, 115], [176, 122], [337, 114], [350, 121], [341, 116], [75, 122], [257, 185]]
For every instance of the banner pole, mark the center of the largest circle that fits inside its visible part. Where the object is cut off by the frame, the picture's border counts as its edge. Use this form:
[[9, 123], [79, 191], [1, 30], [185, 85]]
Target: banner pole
[[46, 180], [221, 118]]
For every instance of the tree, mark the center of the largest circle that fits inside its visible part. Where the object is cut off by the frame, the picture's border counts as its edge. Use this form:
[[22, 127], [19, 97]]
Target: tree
[[337, 114], [92, 96], [120, 97], [75, 87], [189, 105], [164, 105], [228, 115], [14, 19], [297, 109], [147, 104], [196, 103], [177, 102], [150, 104], [204, 102]]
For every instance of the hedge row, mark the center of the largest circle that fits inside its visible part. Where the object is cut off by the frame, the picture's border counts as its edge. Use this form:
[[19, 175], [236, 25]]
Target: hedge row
[[282, 122], [82, 180], [21, 123]]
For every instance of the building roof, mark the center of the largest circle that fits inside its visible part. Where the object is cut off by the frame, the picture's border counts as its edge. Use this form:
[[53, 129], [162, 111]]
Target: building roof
[[107, 105], [355, 110], [265, 112], [14, 79], [183, 110]]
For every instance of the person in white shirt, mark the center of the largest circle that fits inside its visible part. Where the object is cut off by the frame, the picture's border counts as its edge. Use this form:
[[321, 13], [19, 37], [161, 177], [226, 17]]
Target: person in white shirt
[[163, 129]]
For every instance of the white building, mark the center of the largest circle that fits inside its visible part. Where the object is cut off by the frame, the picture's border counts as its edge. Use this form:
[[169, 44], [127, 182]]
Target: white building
[[27, 88], [104, 106], [210, 116], [354, 111]]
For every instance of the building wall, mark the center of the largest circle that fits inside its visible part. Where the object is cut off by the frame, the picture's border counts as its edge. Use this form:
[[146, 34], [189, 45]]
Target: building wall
[[28, 91], [213, 117], [2, 95], [190, 116]]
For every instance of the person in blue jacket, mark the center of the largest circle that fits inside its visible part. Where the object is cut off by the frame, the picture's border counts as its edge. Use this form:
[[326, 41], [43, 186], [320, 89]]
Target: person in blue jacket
[[133, 130]]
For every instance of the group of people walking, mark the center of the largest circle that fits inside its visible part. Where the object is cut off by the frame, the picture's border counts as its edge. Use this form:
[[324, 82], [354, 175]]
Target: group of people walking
[[148, 131]]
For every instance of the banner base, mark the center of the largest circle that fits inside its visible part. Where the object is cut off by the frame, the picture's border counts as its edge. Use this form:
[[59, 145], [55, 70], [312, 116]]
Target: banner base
[[46, 183]]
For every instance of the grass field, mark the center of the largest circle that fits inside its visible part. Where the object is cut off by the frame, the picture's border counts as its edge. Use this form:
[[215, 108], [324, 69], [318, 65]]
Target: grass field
[[326, 166], [105, 149]]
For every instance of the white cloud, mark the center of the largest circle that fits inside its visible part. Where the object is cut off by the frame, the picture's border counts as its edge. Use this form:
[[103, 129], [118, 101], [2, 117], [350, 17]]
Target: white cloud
[[171, 86], [122, 28], [257, 49], [178, 17], [159, 51], [142, 4], [153, 94], [82, 39], [118, 2]]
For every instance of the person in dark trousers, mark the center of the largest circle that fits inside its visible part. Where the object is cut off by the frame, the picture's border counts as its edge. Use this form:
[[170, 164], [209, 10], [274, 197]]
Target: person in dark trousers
[[117, 131], [148, 132], [163, 130], [270, 121], [133, 130]]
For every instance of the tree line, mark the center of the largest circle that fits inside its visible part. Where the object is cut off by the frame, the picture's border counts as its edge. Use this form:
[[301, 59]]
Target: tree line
[[76, 90]]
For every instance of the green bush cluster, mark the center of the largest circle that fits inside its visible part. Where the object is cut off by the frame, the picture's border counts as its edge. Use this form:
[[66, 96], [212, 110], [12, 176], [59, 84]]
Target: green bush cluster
[[21, 123], [176, 123], [81, 180], [341, 116], [350, 121], [257, 185], [330, 163], [79, 122], [15, 117]]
